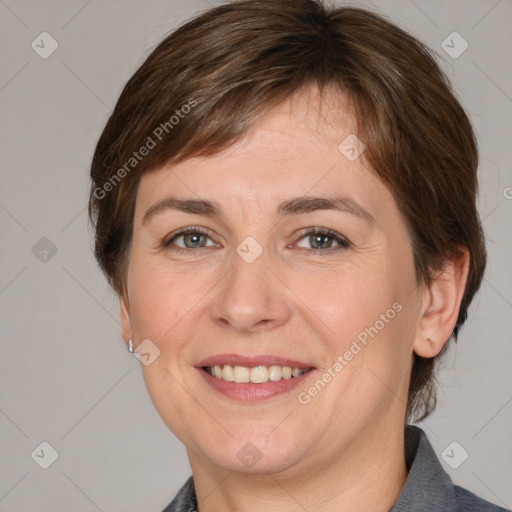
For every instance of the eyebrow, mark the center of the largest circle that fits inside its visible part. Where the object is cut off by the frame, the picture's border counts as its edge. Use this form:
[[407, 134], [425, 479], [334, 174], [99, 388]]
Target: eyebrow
[[295, 206]]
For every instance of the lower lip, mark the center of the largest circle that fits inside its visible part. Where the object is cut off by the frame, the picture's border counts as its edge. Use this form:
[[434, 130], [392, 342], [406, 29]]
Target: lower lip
[[249, 392]]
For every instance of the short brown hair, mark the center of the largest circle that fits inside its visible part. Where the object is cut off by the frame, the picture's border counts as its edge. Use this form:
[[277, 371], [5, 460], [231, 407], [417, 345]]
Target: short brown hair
[[234, 62]]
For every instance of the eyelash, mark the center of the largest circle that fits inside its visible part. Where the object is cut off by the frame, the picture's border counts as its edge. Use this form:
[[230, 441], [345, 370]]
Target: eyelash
[[343, 242]]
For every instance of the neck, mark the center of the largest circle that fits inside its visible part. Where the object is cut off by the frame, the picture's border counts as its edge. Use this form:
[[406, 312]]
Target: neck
[[368, 475]]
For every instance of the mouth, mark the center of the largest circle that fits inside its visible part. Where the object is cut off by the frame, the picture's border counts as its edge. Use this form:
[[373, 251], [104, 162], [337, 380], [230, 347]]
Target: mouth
[[252, 379], [256, 375]]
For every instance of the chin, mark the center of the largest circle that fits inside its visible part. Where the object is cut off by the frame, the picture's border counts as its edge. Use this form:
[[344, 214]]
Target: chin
[[249, 459]]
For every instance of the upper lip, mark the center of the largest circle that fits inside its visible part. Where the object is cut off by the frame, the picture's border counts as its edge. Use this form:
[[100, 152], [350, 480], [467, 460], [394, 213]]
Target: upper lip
[[251, 362]]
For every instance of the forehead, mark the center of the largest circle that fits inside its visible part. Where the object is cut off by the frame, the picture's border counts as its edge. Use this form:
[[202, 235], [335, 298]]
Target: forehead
[[292, 151]]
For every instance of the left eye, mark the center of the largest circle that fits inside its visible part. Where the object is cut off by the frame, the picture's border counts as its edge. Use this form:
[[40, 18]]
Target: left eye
[[322, 240]]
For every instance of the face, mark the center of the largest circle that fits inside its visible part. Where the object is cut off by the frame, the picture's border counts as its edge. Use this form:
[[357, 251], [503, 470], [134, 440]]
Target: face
[[279, 255]]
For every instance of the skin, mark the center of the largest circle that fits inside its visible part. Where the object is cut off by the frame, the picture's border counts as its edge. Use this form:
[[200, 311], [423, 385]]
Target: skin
[[344, 449]]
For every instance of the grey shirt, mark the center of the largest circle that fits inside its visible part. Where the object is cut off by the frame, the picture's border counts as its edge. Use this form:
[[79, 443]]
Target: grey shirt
[[428, 487]]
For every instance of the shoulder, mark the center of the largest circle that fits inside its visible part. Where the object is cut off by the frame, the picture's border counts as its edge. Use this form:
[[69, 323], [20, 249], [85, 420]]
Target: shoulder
[[185, 500], [428, 487], [469, 502]]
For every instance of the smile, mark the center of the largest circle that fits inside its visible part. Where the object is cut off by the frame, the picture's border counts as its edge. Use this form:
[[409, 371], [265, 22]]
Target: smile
[[252, 378], [257, 375]]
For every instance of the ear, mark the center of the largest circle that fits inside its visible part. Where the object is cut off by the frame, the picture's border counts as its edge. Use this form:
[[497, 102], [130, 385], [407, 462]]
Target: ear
[[441, 305], [126, 330]]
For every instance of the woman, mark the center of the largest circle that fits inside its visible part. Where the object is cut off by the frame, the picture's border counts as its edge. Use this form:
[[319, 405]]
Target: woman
[[284, 200]]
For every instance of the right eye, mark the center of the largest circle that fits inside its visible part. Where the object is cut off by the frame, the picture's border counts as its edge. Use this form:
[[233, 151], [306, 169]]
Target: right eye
[[188, 239]]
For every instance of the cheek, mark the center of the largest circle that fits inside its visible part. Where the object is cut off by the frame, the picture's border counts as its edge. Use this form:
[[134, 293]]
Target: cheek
[[369, 350], [349, 298], [369, 310], [160, 299]]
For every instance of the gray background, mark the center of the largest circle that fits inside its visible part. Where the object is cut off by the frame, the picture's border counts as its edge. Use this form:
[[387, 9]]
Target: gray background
[[65, 376]]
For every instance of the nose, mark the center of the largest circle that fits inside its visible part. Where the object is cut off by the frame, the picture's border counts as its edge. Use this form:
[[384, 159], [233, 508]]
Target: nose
[[251, 297]]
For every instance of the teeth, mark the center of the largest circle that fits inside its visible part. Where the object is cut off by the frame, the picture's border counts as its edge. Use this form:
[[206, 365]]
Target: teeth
[[275, 373], [287, 372], [241, 374], [227, 373], [257, 375]]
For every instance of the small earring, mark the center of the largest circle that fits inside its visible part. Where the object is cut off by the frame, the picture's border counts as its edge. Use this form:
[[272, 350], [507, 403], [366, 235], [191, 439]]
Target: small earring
[[130, 346]]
